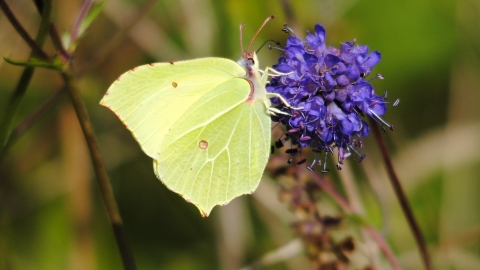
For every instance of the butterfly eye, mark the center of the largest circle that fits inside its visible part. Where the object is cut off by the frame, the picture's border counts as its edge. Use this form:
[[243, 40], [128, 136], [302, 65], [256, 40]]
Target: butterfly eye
[[250, 61]]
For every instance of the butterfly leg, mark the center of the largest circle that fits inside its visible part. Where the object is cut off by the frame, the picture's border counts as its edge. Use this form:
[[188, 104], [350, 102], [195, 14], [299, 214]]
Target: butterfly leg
[[270, 95], [275, 111], [263, 80], [272, 73], [271, 110]]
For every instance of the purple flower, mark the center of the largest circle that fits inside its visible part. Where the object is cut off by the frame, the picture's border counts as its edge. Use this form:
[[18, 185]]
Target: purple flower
[[329, 87]]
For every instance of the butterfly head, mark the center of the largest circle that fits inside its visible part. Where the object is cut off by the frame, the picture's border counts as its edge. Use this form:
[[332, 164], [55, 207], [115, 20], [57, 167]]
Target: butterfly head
[[249, 59], [249, 62]]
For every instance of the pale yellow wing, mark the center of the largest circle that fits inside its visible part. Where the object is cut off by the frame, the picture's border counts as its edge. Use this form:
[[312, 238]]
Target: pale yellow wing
[[151, 98], [218, 149]]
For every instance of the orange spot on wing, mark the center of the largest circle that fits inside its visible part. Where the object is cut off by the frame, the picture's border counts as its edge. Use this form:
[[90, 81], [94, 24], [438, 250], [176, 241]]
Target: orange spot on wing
[[203, 144]]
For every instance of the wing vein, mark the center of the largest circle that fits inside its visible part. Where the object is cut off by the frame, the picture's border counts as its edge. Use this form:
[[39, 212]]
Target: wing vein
[[210, 119], [227, 145]]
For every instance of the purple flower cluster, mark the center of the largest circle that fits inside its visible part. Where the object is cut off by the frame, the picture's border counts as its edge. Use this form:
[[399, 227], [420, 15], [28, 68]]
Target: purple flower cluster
[[329, 87]]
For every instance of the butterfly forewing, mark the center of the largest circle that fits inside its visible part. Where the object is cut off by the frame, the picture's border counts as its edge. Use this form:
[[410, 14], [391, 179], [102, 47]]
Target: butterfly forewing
[[151, 98]]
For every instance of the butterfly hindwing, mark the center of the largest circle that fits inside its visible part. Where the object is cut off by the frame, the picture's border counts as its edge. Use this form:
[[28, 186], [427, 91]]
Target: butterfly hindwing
[[218, 149]]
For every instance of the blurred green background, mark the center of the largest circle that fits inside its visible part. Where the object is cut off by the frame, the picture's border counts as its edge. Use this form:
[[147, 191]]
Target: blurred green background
[[51, 214]]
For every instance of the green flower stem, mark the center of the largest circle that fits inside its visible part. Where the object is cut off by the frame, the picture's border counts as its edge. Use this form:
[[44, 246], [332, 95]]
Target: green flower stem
[[54, 36], [78, 22], [402, 198], [100, 172], [14, 104], [32, 119], [57, 43]]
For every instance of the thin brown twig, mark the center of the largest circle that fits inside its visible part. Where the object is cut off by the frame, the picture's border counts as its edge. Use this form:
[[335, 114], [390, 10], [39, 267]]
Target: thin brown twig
[[402, 198], [100, 172], [22, 32]]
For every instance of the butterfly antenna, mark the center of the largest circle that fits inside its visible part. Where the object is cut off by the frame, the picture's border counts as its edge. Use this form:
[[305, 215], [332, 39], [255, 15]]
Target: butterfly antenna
[[241, 37], [261, 27], [270, 40]]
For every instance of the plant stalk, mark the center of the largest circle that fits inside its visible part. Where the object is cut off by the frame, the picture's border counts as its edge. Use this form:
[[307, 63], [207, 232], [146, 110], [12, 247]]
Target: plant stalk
[[16, 99], [100, 172], [402, 198], [78, 22], [54, 36]]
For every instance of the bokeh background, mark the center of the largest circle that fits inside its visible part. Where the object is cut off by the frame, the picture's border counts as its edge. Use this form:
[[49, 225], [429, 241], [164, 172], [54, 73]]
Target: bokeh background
[[51, 214]]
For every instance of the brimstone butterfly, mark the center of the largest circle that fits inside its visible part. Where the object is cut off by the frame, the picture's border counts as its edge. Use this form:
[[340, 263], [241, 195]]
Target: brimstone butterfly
[[205, 123]]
